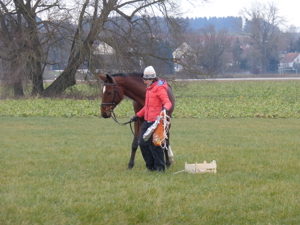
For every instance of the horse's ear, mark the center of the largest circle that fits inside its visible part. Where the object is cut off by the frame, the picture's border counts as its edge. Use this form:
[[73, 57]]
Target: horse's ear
[[101, 77], [109, 78]]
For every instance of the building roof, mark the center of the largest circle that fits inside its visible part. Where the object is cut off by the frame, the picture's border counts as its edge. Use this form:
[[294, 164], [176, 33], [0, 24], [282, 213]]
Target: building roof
[[103, 49], [182, 50], [290, 57]]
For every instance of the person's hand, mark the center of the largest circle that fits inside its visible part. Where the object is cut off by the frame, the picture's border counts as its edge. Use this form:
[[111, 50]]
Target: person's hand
[[164, 109], [134, 118]]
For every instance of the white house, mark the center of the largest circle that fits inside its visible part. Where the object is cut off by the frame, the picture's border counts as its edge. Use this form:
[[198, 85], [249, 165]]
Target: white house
[[182, 55], [103, 49], [287, 63]]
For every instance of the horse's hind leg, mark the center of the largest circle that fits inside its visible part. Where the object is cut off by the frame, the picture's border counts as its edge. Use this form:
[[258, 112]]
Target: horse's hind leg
[[169, 157], [168, 162], [168, 153]]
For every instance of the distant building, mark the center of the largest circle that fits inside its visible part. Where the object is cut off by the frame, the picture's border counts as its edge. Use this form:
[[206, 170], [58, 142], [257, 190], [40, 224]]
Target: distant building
[[181, 55], [102, 49], [289, 62]]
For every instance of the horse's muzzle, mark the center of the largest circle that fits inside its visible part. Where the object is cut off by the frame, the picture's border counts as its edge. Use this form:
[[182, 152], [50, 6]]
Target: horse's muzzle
[[106, 115]]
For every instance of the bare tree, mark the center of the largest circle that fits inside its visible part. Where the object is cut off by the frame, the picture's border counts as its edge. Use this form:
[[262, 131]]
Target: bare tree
[[133, 28], [20, 43], [262, 25], [214, 45], [133, 38], [237, 52]]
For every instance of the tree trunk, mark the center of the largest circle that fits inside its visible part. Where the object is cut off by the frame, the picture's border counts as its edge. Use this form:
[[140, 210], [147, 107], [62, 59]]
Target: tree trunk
[[66, 79], [35, 61], [37, 79], [79, 51], [18, 88], [16, 78]]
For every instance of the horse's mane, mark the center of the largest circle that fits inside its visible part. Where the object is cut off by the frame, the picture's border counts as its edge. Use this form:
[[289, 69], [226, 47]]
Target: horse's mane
[[127, 74], [136, 74]]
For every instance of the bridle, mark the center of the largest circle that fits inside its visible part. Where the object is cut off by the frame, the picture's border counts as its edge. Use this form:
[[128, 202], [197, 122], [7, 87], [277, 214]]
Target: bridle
[[113, 103]]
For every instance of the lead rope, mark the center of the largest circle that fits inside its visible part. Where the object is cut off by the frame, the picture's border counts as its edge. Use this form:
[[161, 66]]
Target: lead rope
[[115, 119], [166, 124]]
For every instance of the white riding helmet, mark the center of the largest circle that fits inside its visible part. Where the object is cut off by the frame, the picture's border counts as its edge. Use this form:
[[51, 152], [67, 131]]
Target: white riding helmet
[[149, 73]]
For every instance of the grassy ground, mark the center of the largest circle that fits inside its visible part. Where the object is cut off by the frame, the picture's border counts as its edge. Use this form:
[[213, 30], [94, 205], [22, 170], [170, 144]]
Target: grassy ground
[[73, 171]]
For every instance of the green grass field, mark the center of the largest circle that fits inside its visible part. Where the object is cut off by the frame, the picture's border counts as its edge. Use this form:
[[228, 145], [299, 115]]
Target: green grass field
[[57, 170], [250, 99]]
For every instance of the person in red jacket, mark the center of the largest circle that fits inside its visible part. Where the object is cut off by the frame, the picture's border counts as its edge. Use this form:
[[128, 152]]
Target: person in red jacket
[[156, 100]]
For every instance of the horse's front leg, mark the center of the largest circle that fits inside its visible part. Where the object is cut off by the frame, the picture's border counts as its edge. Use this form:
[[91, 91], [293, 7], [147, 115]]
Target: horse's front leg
[[134, 147], [135, 142]]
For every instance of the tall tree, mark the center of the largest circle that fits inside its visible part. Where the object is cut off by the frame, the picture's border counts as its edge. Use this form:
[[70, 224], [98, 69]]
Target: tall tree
[[263, 23], [21, 43], [237, 52], [136, 23], [27, 39], [214, 45]]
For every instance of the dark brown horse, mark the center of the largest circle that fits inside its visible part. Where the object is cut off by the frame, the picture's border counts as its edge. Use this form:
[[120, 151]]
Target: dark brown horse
[[117, 86]]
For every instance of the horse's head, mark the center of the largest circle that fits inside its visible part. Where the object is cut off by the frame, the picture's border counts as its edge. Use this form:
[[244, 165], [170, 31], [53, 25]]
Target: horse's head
[[111, 95]]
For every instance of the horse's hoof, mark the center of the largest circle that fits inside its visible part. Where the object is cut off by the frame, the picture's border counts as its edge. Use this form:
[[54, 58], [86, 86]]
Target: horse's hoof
[[129, 167]]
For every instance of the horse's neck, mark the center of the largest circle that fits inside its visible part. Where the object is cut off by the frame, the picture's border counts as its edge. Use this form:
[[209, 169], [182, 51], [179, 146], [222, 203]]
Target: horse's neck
[[137, 94]]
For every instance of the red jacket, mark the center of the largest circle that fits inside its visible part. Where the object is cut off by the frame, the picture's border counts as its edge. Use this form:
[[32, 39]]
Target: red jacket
[[156, 99]]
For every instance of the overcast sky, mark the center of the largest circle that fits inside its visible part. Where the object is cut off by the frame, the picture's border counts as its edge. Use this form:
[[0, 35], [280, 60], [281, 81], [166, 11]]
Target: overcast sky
[[222, 8]]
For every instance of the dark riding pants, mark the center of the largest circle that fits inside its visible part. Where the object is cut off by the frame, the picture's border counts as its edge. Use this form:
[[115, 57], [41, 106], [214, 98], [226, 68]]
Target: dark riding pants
[[153, 155]]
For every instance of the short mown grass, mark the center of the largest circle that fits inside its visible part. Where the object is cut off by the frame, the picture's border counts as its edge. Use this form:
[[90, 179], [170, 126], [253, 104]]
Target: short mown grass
[[73, 171]]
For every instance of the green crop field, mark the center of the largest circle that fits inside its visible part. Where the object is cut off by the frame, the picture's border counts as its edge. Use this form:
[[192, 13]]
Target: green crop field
[[268, 99], [63, 164]]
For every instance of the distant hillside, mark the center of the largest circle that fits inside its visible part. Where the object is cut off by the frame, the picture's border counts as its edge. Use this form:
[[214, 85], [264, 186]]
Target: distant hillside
[[231, 24]]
